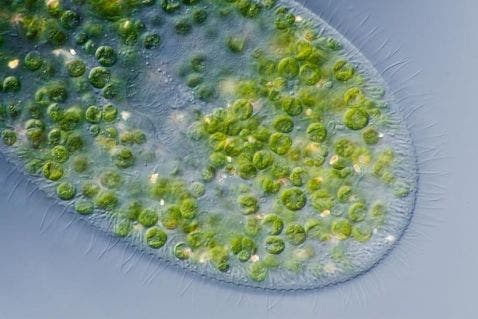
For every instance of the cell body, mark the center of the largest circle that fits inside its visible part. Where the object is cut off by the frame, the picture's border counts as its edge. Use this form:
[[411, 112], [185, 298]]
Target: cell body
[[283, 152]]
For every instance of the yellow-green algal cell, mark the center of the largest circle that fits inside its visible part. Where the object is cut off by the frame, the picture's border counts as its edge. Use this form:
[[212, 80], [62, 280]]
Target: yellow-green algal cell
[[246, 141]]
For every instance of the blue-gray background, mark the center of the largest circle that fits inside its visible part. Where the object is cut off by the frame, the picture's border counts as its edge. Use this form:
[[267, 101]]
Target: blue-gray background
[[52, 266]]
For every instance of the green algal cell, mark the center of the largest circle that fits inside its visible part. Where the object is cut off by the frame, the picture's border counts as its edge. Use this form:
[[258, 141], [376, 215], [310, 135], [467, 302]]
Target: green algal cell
[[11, 84], [233, 146], [317, 132], [84, 207], [93, 114], [236, 244], [284, 19], [243, 247], [156, 238], [181, 251], [35, 136], [343, 70], [248, 203], [55, 112], [123, 157], [206, 92], [236, 44], [361, 233], [34, 123], [401, 189], [54, 35], [280, 143], [80, 163], [111, 179], [9, 137], [356, 118], [148, 217], [33, 60], [322, 200], [354, 97], [257, 271], [54, 136], [220, 258], [252, 226], [295, 234], [99, 77], [56, 92], [106, 55], [293, 198], [309, 74], [106, 200], [378, 211], [357, 212], [296, 177], [288, 67], [217, 160], [170, 6], [303, 49], [90, 47], [246, 170], [132, 210], [52, 171], [194, 79], [248, 8], [283, 124], [59, 153], [151, 41], [65, 191], [274, 245], [109, 113], [189, 208], [183, 26], [199, 16], [71, 118], [314, 228], [291, 105], [90, 189], [268, 185], [47, 70], [73, 141], [129, 30], [344, 147], [198, 63], [122, 227], [341, 228], [242, 109], [196, 239], [208, 174], [344, 193], [81, 38], [197, 189], [280, 170], [271, 261], [370, 136], [262, 159], [13, 110], [333, 44], [70, 19], [171, 218], [388, 177]]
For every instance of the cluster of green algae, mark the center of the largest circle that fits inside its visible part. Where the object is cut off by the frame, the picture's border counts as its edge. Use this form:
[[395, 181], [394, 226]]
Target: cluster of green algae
[[300, 132]]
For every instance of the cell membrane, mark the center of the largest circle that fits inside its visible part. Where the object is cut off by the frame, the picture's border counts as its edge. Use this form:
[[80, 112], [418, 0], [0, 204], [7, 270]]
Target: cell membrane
[[244, 140]]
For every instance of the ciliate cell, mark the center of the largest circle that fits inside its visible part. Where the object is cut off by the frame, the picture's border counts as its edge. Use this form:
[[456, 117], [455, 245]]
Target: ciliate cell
[[243, 140]]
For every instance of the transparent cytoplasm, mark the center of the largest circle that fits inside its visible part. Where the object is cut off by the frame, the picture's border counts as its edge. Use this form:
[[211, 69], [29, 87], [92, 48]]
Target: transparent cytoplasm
[[244, 140]]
